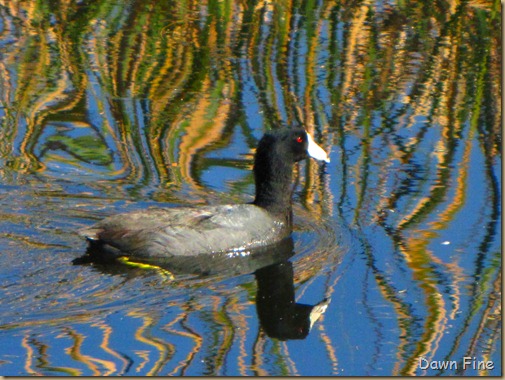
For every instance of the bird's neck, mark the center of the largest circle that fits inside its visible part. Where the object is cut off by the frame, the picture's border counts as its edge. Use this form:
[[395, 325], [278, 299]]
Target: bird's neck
[[274, 188]]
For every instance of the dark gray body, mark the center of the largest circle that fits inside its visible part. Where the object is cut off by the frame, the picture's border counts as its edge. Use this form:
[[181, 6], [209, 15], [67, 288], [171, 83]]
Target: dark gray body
[[186, 232]]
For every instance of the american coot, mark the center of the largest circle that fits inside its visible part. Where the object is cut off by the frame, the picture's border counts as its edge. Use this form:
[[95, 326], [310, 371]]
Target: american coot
[[211, 230]]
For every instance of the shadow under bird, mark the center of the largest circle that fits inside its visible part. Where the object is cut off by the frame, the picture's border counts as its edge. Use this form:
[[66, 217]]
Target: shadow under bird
[[190, 232]]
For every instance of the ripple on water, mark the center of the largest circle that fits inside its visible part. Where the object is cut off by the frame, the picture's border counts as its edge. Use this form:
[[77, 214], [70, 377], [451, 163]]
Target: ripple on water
[[319, 240]]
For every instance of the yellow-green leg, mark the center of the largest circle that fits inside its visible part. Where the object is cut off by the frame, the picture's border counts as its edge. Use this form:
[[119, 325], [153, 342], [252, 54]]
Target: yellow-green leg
[[166, 274]]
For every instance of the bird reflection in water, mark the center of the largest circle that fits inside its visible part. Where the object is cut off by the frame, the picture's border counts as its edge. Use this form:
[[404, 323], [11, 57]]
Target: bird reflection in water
[[280, 316]]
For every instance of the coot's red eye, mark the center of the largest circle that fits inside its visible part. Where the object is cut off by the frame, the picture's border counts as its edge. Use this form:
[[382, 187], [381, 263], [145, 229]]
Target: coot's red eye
[[299, 139]]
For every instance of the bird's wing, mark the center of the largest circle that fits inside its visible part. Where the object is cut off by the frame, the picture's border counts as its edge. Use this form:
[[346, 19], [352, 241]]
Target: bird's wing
[[187, 231]]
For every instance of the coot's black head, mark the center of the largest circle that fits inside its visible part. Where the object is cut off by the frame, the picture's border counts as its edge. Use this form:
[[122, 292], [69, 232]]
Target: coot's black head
[[276, 154], [289, 146]]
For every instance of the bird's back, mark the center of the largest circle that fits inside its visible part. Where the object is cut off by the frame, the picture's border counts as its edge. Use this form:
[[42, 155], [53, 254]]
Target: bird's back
[[169, 232]]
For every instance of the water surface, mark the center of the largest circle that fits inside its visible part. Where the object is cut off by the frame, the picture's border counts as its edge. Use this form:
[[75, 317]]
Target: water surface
[[107, 107]]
